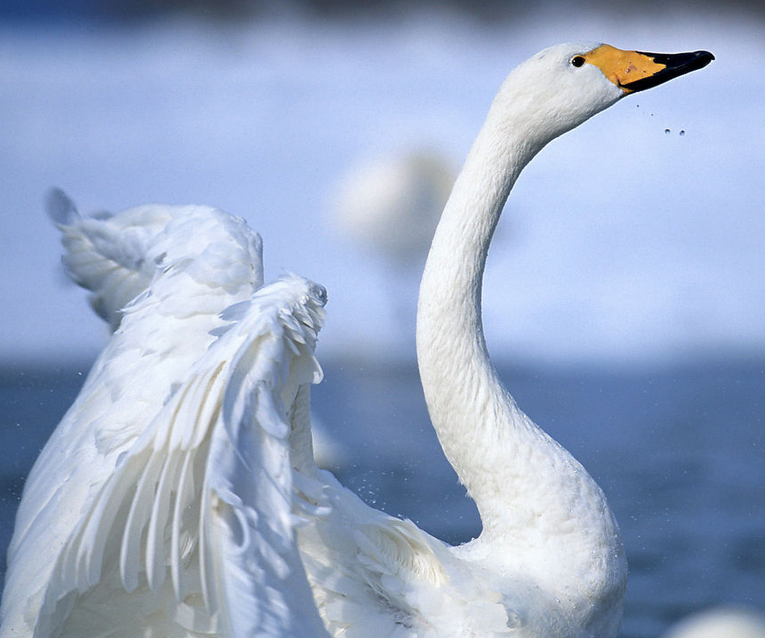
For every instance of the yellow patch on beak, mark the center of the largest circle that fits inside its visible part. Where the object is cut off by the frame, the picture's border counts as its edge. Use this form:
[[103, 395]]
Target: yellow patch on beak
[[623, 67]]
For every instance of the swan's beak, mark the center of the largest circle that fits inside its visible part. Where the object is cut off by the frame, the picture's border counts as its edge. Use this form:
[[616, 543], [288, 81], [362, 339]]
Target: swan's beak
[[636, 71]]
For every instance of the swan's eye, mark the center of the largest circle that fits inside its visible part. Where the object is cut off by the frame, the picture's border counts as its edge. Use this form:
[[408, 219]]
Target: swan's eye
[[577, 60]]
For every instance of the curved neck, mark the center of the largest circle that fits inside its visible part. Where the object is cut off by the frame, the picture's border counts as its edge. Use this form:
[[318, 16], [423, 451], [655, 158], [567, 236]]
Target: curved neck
[[510, 467], [458, 379], [544, 518]]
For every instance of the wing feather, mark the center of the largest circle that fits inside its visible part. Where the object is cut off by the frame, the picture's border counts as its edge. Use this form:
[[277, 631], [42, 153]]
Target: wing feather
[[193, 259], [183, 500], [139, 515], [107, 254], [247, 515], [213, 472], [155, 536]]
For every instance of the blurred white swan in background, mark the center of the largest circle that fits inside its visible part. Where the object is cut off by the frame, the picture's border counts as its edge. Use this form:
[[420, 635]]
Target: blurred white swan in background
[[730, 621], [391, 205], [179, 495]]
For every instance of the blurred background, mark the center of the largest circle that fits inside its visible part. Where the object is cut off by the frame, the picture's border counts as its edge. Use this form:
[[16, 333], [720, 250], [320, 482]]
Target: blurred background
[[624, 293]]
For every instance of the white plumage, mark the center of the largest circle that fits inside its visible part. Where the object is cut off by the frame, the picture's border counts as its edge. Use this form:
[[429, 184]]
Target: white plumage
[[179, 495], [728, 621]]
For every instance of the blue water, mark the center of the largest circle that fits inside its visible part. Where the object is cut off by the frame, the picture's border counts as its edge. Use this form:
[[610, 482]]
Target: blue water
[[679, 450]]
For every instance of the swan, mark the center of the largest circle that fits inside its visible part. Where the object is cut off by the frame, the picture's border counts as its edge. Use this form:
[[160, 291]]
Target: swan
[[729, 621], [179, 495], [392, 204]]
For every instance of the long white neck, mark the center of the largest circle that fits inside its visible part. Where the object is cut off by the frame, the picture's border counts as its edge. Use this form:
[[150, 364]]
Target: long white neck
[[525, 485], [470, 409]]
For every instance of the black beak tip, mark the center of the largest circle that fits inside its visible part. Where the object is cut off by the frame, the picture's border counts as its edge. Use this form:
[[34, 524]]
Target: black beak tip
[[675, 64], [703, 58], [685, 62]]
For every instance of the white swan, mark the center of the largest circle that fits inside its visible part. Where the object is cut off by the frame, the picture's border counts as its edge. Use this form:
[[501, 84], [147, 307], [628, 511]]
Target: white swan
[[729, 621], [392, 205], [179, 496]]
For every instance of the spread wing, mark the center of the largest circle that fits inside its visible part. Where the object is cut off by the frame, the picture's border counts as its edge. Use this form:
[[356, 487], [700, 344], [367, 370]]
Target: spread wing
[[180, 495], [117, 256], [203, 261], [252, 569], [108, 254], [198, 513]]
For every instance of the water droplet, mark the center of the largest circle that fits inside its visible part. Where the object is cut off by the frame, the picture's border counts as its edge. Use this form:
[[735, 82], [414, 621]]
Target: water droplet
[[682, 133], [666, 131]]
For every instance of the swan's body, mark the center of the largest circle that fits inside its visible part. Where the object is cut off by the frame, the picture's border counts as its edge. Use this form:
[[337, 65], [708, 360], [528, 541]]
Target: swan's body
[[179, 496]]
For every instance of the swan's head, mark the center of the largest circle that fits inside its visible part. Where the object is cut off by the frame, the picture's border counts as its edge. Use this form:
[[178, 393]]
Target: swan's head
[[563, 85]]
